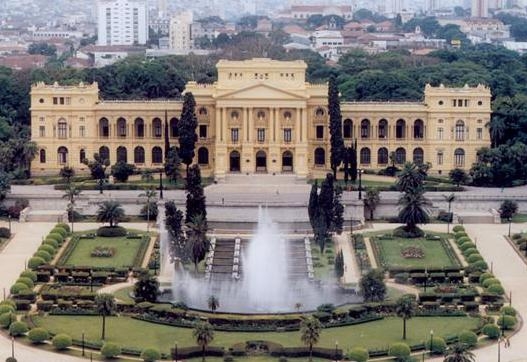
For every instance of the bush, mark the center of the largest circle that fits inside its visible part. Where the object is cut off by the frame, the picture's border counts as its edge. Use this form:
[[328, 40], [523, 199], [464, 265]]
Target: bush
[[111, 232], [18, 287], [63, 226], [35, 262], [6, 319], [38, 335], [490, 281], [150, 355], [5, 233], [468, 252], [55, 236], [507, 321], [10, 359], [110, 350], [463, 240], [491, 330], [460, 234], [62, 232], [17, 329], [458, 228], [6, 309], [26, 281], [47, 248], [466, 245], [51, 242], [496, 289], [484, 277], [282, 359], [29, 274], [467, 337], [402, 232], [474, 258], [61, 341], [507, 310], [359, 354], [44, 255], [399, 350], [438, 345], [480, 265]]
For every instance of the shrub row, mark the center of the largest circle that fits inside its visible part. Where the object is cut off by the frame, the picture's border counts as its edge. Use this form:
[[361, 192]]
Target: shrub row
[[49, 246]]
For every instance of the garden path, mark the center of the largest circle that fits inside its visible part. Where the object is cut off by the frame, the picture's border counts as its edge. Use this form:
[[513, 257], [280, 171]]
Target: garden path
[[351, 269]]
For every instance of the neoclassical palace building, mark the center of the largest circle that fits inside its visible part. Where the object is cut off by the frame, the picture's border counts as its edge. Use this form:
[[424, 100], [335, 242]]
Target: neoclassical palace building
[[260, 116]]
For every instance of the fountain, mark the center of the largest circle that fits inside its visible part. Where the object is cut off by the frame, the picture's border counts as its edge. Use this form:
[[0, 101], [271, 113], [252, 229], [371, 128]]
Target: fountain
[[261, 278]]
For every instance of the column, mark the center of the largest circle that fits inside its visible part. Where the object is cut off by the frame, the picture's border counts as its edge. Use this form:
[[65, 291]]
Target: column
[[297, 125], [251, 125], [224, 124], [218, 125]]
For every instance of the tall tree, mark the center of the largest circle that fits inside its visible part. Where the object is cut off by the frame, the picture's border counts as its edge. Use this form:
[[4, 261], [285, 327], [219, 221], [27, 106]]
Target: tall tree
[[414, 210], [339, 264], [172, 164], [312, 207], [111, 212], [310, 329], [214, 303], [98, 169], [372, 286], [195, 195], [204, 334], [187, 130], [338, 210], [371, 200], [197, 237], [458, 176], [105, 304], [353, 162], [146, 288], [174, 225], [325, 200], [335, 126], [5, 185], [405, 308], [410, 177]]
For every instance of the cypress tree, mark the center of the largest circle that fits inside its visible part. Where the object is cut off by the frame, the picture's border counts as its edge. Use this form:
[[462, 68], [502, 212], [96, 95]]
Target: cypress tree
[[325, 200], [312, 207], [346, 165], [335, 126], [339, 264], [195, 195], [174, 225], [353, 162], [187, 130], [338, 210]]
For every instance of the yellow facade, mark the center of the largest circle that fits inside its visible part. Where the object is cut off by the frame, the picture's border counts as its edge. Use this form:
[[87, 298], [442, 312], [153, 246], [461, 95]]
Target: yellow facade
[[260, 116]]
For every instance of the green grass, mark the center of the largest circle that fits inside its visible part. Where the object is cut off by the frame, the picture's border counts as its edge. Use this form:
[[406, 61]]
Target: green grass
[[435, 255], [322, 268], [123, 294], [138, 334], [517, 218], [125, 252]]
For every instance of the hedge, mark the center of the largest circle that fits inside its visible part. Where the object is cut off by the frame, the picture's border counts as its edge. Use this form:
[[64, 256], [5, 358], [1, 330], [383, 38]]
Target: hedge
[[26, 281], [490, 281], [491, 330], [468, 252], [38, 335], [399, 350], [508, 310], [61, 341], [44, 255], [35, 262], [507, 321], [474, 258], [63, 226], [193, 352], [496, 289], [18, 328], [6, 319], [484, 277], [467, 337], [458, 228], [110, 350], [358, 354], [18, 287], [150, 355], [111, 232], [55, 236], [51, 242], [60, 231], [29, 274], [438, 345], [467, 245]]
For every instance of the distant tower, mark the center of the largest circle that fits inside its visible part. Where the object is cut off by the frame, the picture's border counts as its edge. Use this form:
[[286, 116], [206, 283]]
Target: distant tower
[[122, 22], [480, 9]]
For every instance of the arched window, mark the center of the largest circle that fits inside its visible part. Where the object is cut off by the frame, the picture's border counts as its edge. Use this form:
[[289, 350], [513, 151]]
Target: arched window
[[348, 128], [139, 126], [400, 128], [104, 153], [42, 154], [319, 112], [419, 129], [157, 155], [383, 128], [419, 155], [174, 131], [82, 155], [139, 155], [203, 156], [203, 111], [320, 157], [365, 156], [121, 127], [365, 128], [62, 155], [104, 128], [400, 156], [122, 154], [156, 128], [62, 129], [460, 130], [459, 157], [382, 156]]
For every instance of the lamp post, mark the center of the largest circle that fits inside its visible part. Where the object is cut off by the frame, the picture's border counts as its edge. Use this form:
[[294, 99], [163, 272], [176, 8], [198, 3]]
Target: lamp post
[[175, 352], [336, 350], [161, 184], [12, 347], [82, 343], [431, 340], [9, 220], [426, 277], [510, 222], [360, 183]]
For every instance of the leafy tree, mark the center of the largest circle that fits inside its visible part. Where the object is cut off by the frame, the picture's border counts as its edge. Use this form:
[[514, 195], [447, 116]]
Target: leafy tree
[[214, 303], [121, 171], [111, 212], [105, 304], [405, 308], [204, 334], [459, 352], [338, 210], [195, 195], [197, 237], [371, 200], [146, 288], [508, 208], [310, 329], [173, 164], [98, 169], [449, 199], [458, 176], [335, 126], [372, 286], [5, 185], [187, 130], [339, 264], [42, 49], [67, 173], [150, 196], [71, 193], [174, 225]]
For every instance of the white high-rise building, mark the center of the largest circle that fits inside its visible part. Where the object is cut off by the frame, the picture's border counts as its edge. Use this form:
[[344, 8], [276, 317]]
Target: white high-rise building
[[122, 22], [181, 32], [480, 9]]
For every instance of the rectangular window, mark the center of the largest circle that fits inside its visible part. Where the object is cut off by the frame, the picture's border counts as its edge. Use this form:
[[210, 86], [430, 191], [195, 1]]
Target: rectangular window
[[82, 131], [320, 132], [460, 103], [55, 100], [42, 119], [42, 131], [287, 135], [440, 133], [454, 102], [440, 158], [63, 130], [68, 101], [479, 133], [235, 135], [261, 134], [202, 131], [466, 102], [61, 99]]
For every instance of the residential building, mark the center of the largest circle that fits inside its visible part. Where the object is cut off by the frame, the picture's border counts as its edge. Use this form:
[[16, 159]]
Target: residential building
[[480, 9], [122, 22], [181, 39]]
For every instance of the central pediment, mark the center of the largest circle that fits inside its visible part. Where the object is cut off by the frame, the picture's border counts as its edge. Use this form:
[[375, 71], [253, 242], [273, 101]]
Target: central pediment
[[262, 91]]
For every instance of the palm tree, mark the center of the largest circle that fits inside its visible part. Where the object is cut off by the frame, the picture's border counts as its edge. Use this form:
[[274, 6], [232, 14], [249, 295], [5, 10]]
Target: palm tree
[[204, 334], [149, 194], [405, 308], [411, 176], [71, 194], [459, 352], [197, 235], [414, 209], [497, 128], [214, 303], [105, 305], [371, 201], [310, 329], [111, 212], [67, 173], [450, 199]]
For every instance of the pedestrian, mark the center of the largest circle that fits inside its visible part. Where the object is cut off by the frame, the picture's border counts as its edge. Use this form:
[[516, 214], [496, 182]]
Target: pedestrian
[[222, 201]]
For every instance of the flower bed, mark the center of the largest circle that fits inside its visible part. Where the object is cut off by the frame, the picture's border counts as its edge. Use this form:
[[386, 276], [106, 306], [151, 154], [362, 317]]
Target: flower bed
[[103, 252]]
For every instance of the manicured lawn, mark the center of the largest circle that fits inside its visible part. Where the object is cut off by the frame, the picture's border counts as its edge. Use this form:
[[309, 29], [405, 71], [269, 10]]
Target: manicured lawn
[[517, 218], [123, 294], [133, 333], [125, 252], [323, 269], [435, 255]]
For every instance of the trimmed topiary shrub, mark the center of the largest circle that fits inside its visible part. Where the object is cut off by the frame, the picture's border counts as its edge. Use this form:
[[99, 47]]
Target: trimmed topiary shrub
[[8, 302], [491, 330], [10, 359], [5, 233], [484, 277], [55, 236], [61, 341], [508, 310], [480, 265], [110, 350], [17, 288], [63, 226], [402, 232], [60, 231], [474, 258], [490, 281], [47, 248], [111, 232], [496, 289], [438, 345], [6, 309], [467, 337], [44, 255], [38, 335], [52, 242], [470, 251], [399, 350], [463, 240], [29, 274], [358, 354], [6, 319], [26, 281], [150, 355], [35, 262], [507, 321], [17, 328], [458, 228]]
